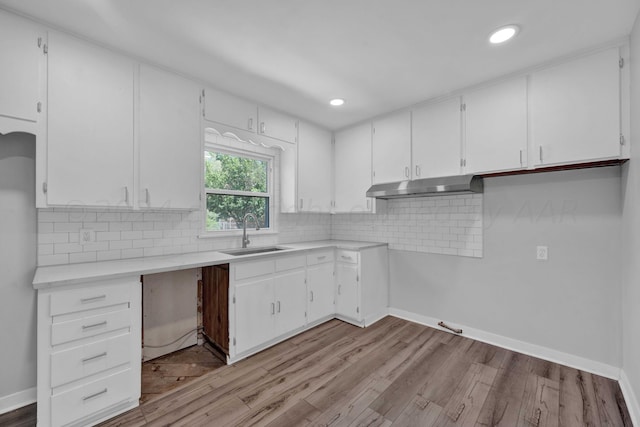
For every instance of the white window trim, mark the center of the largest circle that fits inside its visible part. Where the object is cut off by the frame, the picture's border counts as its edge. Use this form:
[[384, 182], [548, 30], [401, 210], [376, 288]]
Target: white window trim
[[270, 158]]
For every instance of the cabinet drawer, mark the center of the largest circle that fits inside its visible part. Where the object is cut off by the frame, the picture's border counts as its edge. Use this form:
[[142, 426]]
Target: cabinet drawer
[[320, 257], [90, 398], [350, 257], [290, 263], [79, 362], [90, 297], [89, 326], [253, 269]]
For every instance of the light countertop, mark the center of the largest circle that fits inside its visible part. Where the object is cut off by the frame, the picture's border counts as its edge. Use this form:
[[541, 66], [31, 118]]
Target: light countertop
[[46, 277]]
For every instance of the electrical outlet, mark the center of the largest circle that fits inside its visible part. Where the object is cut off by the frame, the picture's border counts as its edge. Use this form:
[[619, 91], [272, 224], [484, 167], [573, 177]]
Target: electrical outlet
[[87, 235], [542, 253]]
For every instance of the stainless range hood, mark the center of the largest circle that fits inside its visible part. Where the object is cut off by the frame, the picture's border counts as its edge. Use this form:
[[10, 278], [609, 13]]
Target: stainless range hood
[[459, 184]]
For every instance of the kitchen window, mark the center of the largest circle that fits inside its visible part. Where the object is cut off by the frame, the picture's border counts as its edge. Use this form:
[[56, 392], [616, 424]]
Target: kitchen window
[[236, 183]]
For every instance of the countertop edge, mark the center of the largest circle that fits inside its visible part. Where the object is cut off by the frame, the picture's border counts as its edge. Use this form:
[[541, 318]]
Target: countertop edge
[[69, 274]]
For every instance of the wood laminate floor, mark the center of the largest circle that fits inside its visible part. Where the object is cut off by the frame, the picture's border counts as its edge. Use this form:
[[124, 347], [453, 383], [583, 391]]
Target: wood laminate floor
[[393, 373]]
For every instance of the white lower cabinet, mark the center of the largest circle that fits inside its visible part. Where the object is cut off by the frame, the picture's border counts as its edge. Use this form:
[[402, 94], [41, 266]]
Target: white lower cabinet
[[88, 351], [271, 300], [347, 285], [320, 285], [268, 298], [255, 310], [362, 285]]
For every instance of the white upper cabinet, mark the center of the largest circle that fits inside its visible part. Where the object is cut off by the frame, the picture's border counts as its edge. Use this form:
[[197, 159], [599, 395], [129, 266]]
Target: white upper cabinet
[[288, 177], [170, 142], [575, 110], [315, 169], [392, 148], [90, 125], [436, 140], [224, 108], [21, 47], [496, 127], [352, 160], [277, 125]]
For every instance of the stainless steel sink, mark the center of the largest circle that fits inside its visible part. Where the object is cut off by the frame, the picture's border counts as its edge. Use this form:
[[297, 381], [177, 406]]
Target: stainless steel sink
[[251, 251]]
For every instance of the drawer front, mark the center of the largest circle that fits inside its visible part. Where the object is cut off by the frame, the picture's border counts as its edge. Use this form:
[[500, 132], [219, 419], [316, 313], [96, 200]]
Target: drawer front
[[350, 257], [82, 361], [290, 262], [252, 269], [90, 297], [320, 257], [89, 326], [90, 398]]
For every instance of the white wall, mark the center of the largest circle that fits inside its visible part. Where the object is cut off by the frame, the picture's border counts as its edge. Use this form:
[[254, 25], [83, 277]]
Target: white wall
[[631, 241], [571, 303], [17, 265]]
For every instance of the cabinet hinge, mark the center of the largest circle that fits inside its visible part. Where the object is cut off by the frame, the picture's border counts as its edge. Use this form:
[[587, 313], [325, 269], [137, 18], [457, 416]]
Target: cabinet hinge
[[463, 107], [373, 130], [234, 299], [234, 340], [39, 41], [305, 281], [461, 163], [200, 196], [357, 309], [44, 187], [39, 107], [621, 62], [622, 141], [305, 314], [45, 49], [357, 277]]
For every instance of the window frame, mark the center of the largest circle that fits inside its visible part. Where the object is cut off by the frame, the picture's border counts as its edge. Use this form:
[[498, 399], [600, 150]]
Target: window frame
[[269, 195]]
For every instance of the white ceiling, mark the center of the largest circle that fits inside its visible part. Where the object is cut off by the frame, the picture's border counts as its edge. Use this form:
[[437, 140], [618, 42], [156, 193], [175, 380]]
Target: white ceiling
[[380, 55]]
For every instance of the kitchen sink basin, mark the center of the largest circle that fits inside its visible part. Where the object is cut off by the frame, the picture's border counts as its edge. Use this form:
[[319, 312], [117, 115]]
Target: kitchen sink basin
[[251, 251]]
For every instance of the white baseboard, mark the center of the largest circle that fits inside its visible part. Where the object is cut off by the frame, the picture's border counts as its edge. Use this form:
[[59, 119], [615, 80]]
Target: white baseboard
[[370, 320], [538, 351], [630, 398], [17, 400]]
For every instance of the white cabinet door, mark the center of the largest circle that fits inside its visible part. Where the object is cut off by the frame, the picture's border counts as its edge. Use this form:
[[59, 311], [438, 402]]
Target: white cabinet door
[[575, 110], [90, 128], [315, 152], [437, 139], [224, 108], [321, 291], [277, 125], [290, 294], [347, 290], [352, 155], [169, 126], [255, 313], [496, 127], [20, 70], [288, 181], [392, 148]]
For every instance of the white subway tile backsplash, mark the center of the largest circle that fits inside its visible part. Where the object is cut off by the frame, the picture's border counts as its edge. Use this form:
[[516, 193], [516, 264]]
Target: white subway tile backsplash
[[109, 255], [445, 225], [430, 225], [83, 257]]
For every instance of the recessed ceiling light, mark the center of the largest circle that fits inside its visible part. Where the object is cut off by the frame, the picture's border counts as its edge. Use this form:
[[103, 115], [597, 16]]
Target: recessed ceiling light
[[503, 34], [336, 102]]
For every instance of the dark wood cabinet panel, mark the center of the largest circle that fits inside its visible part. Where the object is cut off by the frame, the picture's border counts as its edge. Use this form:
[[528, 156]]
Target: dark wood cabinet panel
[[215, 305]]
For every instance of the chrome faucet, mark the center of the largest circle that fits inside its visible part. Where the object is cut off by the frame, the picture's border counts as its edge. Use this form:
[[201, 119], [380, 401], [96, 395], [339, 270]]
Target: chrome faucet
[[245, 238]]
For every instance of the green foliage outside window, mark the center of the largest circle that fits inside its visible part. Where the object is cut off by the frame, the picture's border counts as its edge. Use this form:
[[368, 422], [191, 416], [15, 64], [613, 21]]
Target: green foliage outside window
[[241, 176]]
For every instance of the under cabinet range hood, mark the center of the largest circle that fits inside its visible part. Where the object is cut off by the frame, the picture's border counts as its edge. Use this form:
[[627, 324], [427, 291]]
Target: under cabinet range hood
[[425, 187]]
